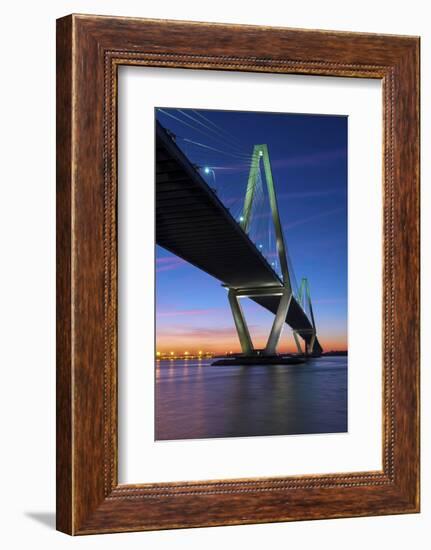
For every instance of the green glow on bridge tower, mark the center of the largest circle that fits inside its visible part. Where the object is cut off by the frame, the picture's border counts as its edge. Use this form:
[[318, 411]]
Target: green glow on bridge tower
[[285, 292], [261, 154]]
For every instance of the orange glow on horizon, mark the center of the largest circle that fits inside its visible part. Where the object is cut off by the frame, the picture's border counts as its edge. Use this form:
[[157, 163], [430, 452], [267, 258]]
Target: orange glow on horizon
[[198, 345]]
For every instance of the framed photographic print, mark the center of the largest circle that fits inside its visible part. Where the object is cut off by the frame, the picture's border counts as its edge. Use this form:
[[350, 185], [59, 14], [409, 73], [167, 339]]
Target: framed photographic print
[[237, 274]]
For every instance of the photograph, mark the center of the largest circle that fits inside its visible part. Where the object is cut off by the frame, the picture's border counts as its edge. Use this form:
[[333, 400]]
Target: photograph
[[251, 314]]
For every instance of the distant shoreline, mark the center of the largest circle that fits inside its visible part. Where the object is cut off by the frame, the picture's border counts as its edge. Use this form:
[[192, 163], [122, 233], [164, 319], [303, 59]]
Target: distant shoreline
[[163, 357]]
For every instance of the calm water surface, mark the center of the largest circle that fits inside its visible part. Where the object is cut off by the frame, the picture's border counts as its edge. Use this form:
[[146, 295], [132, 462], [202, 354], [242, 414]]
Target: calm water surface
[[195, 400]]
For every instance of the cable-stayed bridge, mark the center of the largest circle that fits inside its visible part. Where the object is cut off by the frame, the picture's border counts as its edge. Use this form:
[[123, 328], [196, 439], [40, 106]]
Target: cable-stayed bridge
[[193, 223]]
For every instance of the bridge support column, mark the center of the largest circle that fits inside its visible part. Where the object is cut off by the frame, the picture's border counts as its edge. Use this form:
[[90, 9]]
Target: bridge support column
[[278, 324], [241, 325], [297, 342], [308, 348], [311, 346]]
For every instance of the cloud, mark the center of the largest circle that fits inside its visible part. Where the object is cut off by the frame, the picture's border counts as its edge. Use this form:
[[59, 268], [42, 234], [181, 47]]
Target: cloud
[[187, 312], [312, 218], [313, 159], [192, 334], [169, 264], [329, 301], [310, 194], [209, 333]]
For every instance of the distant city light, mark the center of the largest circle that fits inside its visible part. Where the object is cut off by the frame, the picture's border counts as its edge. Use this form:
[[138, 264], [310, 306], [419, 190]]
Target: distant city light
[[172, 352], [158, 353], [186, 353]]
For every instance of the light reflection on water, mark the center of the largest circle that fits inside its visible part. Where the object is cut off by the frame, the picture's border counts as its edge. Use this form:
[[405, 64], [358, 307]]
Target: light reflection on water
[[195, 400]]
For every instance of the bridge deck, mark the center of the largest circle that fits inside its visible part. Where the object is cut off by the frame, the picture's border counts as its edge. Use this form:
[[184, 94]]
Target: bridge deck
[[192, 223]]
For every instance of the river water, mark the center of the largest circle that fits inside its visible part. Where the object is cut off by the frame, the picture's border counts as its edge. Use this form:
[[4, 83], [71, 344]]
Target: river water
[[195, 400]]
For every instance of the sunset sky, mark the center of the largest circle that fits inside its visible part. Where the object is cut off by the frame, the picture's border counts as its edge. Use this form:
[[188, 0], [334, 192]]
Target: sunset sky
[[309, 162]]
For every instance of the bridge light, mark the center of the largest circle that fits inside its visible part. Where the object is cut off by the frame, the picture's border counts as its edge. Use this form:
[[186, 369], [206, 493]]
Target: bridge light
[[241, 218], [206, 170], [261, 153], [261, 246]]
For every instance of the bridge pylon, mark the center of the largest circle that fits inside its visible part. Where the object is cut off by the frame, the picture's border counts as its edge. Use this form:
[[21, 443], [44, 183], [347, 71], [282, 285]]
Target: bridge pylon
[[304, 299], [261, 154], [284, 291]]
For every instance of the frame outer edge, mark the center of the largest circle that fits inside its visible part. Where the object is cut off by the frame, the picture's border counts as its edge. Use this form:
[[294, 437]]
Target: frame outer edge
[[407, 273], [64, 367], [83, 502]]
